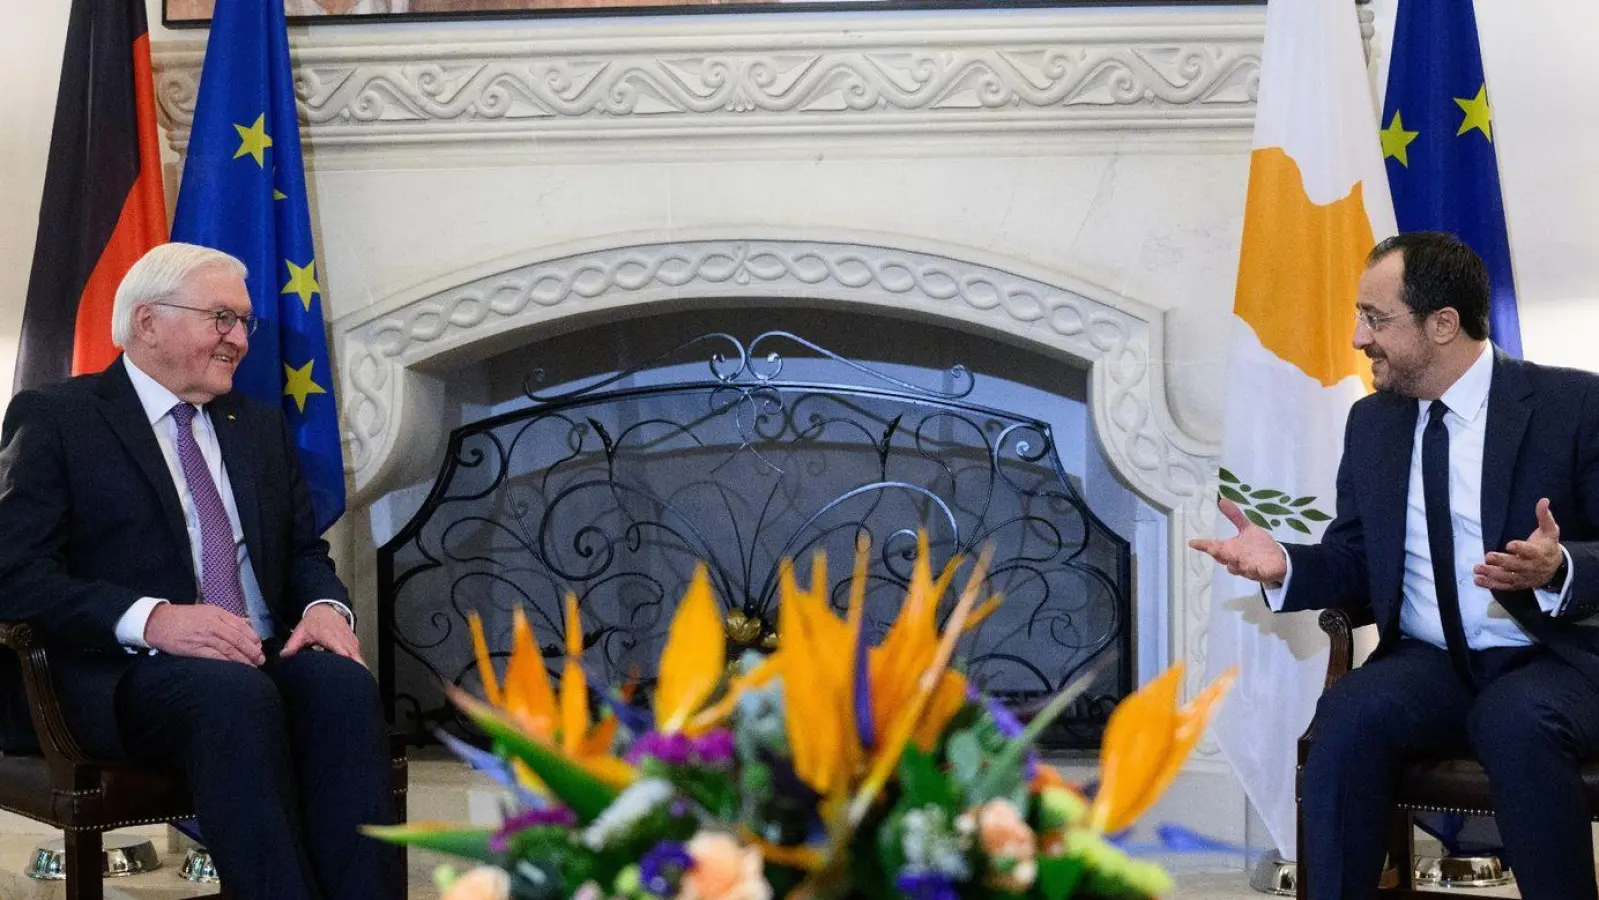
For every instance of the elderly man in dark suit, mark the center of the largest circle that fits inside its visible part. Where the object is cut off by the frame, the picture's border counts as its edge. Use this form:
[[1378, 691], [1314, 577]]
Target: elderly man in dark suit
[[156, 530], [1468, 519]]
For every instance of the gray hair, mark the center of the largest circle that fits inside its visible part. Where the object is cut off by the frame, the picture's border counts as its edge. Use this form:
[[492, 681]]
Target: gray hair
[[158, 276]]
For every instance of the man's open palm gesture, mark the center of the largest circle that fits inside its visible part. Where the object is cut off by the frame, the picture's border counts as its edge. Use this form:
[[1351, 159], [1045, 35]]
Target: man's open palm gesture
[[1253, 553]]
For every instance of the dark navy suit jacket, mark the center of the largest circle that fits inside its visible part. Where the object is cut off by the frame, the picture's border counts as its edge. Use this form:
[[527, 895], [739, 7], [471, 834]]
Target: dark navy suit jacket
[[1542, 441], [90, 521]]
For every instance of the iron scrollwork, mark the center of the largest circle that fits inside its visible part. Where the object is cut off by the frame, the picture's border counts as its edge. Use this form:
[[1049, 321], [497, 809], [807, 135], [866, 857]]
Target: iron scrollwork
[[615, 493]]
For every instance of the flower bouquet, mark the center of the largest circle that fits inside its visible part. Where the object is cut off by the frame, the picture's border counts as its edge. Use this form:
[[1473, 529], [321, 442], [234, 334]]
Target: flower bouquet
[[829, 769]]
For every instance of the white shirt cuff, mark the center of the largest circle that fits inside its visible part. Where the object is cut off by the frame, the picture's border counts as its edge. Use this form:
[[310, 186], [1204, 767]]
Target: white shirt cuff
[[130, 628], [344, 611], [1277, 596], [1552, 603]]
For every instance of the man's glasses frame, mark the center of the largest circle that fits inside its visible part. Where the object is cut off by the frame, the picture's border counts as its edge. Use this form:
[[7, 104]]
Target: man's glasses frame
[[1372, 321], [223, 319]]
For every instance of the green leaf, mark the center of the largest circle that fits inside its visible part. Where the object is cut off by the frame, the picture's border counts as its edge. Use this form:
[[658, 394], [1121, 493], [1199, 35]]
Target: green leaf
[[1227, 476], [1258, 519], [586, 795], [1267, 494], [1302, 501], [471, 843], [1232, 495], [1273, 509], [965, 757], [1315, 515], [1297, 525], [920, 781], [1058, 876]]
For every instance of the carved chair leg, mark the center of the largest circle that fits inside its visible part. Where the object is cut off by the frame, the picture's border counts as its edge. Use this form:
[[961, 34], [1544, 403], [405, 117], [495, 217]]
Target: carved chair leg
[[1402, 849], [83, 865], [1301, 887]]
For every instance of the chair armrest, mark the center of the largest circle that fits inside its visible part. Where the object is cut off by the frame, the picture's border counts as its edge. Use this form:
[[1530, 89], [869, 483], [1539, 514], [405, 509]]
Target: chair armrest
[[1340, 625], [55, 740]]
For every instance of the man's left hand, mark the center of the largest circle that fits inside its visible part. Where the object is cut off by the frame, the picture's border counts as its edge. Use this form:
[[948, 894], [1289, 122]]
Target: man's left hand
[[1525, 565], [323, 626]]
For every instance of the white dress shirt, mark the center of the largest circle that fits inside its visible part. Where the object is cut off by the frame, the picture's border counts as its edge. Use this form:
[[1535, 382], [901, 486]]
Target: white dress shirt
[[1486, 623], [158, 402]]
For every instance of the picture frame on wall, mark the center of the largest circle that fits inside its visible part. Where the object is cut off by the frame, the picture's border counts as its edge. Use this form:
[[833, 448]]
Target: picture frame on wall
[[197, 13]]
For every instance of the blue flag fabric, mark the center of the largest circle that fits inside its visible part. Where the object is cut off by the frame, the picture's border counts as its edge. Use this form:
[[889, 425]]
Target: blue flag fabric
[[1437, 141], [243, 192]]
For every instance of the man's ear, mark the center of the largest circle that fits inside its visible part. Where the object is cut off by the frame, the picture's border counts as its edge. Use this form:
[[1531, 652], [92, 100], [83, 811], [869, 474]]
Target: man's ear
[[1445, 325], [143, 330]]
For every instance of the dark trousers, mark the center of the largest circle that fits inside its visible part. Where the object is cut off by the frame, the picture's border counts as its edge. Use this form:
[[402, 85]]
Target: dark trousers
[[285, 762], [1531, 722]]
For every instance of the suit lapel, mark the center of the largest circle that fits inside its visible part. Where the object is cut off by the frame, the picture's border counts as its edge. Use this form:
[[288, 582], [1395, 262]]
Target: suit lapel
[[233, 436], [125, 414], [1390, 483], [1508, 413]]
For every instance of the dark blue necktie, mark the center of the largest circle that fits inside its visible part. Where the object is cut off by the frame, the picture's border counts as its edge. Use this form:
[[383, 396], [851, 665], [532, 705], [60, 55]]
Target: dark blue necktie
[[1441, 535]]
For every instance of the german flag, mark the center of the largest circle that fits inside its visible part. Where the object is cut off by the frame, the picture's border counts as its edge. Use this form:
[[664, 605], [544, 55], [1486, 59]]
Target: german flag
[[103, 201]]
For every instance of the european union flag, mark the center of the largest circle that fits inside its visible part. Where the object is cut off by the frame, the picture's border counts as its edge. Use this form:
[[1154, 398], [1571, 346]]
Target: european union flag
[[1437, 138], [243, 192]]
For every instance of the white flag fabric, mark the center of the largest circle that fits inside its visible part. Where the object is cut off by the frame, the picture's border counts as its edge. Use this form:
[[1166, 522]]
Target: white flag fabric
[[1318, 201]]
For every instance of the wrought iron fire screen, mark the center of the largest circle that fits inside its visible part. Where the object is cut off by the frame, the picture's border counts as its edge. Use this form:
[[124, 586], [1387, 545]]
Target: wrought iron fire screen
[[615, 493]]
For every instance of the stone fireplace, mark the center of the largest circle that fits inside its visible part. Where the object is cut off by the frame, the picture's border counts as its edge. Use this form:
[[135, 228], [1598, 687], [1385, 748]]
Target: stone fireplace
[[1065, 181]]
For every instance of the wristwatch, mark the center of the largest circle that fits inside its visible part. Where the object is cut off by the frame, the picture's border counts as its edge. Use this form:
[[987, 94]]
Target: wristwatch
[[1558, 580]]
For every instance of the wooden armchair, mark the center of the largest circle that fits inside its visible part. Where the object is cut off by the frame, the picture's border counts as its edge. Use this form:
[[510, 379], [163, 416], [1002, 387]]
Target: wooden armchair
[[65, 789], [1425, 785]]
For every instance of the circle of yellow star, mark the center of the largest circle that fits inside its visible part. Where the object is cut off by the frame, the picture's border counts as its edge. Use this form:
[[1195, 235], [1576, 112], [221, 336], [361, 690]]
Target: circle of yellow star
[[297, 383], [1395, 139], [254, 140], [1478, 115], [302, 281]]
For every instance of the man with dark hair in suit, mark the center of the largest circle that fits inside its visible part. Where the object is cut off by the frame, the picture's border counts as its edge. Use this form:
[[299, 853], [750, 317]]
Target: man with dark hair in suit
[[1468, 520], [156, 531]]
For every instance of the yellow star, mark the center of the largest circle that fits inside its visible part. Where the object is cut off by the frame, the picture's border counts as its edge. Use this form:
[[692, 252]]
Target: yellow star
[[1478, 115], [254, 140], [1395, 139], [279, 195], [302, 281], [297, 383]]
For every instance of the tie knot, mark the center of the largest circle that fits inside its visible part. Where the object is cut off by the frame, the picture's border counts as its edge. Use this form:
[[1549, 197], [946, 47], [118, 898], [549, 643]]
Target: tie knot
[[183, 414], [1436, 412]]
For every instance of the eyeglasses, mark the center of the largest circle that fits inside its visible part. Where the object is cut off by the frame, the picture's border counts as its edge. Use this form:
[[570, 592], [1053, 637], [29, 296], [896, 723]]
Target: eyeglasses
[[1372, 321], [224, 319]]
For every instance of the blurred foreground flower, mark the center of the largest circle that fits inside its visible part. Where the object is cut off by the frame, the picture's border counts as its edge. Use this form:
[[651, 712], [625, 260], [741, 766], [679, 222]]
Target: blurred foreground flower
[[831, 769]]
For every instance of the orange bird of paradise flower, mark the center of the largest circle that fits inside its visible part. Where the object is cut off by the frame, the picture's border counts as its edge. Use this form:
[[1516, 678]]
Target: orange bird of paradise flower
[[559, 721], [1146, 741]]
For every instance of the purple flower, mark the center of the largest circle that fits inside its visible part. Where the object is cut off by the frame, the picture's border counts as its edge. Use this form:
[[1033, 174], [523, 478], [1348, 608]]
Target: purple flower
[[672, 749], [926, 885], [500, 841], [662, 868], [714, 748]]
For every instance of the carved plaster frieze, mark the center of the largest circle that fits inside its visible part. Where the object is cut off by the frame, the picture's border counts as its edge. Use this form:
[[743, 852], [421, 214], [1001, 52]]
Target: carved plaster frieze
[[389, 356], [1053, 73]]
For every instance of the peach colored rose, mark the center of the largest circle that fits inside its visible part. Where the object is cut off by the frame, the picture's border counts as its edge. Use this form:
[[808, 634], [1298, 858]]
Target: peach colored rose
[[482, 883], [1005, 837], [723, 870]]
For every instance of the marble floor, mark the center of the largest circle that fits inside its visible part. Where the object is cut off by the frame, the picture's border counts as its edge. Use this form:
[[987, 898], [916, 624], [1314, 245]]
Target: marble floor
[[443, 790]]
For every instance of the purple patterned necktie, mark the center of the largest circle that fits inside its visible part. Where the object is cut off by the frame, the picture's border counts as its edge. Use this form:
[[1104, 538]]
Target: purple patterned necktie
[[219, 562]]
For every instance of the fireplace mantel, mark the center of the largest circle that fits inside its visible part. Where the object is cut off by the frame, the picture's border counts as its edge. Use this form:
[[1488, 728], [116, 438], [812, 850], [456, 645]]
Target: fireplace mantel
[[793, 85]]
